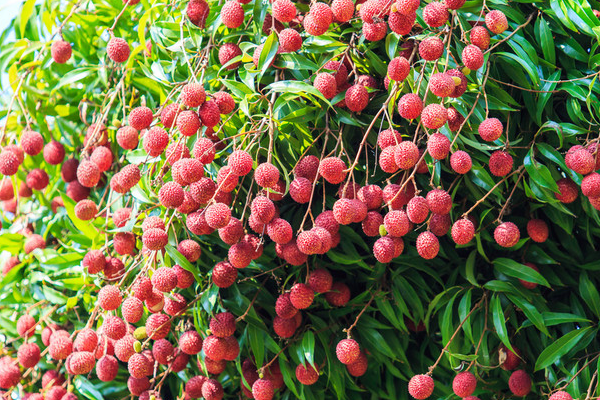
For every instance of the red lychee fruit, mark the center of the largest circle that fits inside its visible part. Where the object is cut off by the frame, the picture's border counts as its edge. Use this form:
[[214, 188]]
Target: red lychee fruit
[[227, 52], [496, 21], [37, 179], [434, 116], [500, 163], [190, 249], [107, 368], [438, 145], [388, 137], [188, 123], [407, 7], [435, 14], [284, 10], [568, 190], [560, 395], [289, 41], [210, 113], [197, 11], [401, 24], [347, 351], [406, 155], [35, 241], [155, 141], [85, 210], [29, 355], [240, 162], [266, 175], [280, 231], [420, 387], [439, 201], [332, 169], [263, 389], [155, 239], [239, 255], [519, 383], [190, 342], [428, 245], [472, 57], [460, 162], [109, 297], [371, 224], [357, 98], [301, 296], [480, 37], [193, 94], [507, 234], [140, 118], [326, 84], [590, 185], [410, 106], [9, 163], [307, 375], [300, 190], [118, 50], [441, 84], [232, 14], [580, 161], [537, 230], [417, 209], [171, 195], [455, 119], [164, 279], [32, 142], [262, 209], [342, 10], [307, 167], [54, 152], [463, 231], [440, 224], [431, 48], [167, 115], [490, 129], [464, 384], [387, 159], [60, 51], [158, 326], [224, 274], [374, 32], [217, 215], [60, 347], [359, 367], [396, 223]]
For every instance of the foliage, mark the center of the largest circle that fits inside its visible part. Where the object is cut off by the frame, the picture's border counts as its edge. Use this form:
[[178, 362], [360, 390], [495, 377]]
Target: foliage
[[539, 79]]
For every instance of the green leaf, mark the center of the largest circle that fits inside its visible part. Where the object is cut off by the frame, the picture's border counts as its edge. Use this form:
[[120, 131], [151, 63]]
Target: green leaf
[[308, 347], [26, 12], [589, 293], [498, 320], [520, 271], [85, 227], [255, 336], [559, 348], [298, 87]]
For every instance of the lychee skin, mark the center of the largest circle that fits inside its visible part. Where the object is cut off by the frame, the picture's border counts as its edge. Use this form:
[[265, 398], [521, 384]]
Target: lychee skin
[[301, 296], [420, 387], [37, 179], [32, 142], [232, 14], [109, 298], [464, 384], [307, 375], [60, 51], [568, 190], [472, 57], [480, 37], [407, 7], [357, 98], [9, 163], [434, 116], [439, 201], [438, 145], [227, 52], [325, 83], [240, 162], [339, 295], [284, 328], [519, 383], [384, 250], [560, 395], [410, 106], [428, 245], [224, 274], [266, 175], [461, 162], [402, 24], [431, 48], [537, 230], [406, 155], [580, 161], [171, 195], [54, 152], [289, 41], [458, 91], [417, 209], [347, 351], [435, 14], [496, 21], [490, 129], [118, 50], [342, 10], [501, 163], [463, 231], [590, 185], [507, 234], [29, 355], [263, 389], [332, 169], [197, 11], [193, 94], [284, 10], [441, 84]]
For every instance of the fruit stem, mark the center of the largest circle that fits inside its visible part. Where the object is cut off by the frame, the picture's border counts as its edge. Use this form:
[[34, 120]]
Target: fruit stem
[[349, 330]]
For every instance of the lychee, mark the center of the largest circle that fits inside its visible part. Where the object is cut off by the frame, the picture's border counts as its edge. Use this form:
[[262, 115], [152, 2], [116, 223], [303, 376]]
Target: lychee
[[438, 145], [60, 51], [496, 21], [568, 190], [491, 129], [472, 57], [507, 234], [347, 351], [357, 98], [501, 163], [464, 384], [118, 50], [519, 383], [420, 387], [480, 37], [435, 14], [410, 106], [460, 161]]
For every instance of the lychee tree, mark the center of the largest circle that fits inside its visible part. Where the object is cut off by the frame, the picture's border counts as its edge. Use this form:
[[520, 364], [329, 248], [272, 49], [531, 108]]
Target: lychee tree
[[325, 200]]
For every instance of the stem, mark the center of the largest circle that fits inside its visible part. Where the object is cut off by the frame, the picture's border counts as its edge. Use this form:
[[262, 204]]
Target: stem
[[490, 191], [349, 330]]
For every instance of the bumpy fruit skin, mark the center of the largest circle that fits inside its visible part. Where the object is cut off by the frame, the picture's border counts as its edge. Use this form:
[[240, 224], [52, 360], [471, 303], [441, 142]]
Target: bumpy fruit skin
[[454, 4], [332, 169], [339, 295], [357, 98], [407, 7], [590, 185], [109, 298], [289, 41], [197, 11], [580, 161], [9, 163], [35, 241], [190, 342], [61, 51], [342, 10], [374, 32], [464, 384], [480, 37], [193, 94], [420, 386], [232, 14], [463, 231], [438, 145], [496, 21], [227, 52], [568, 190], [428, 245], [401, 24], [472, 57], [410, 106], [461, 162], [54, 152], [560, 395], [29, 355], [284, 10], [118, 50], [307, 375], [439, 201], [435, 14], [501, 163], [537, 230], [441, 84], [32, 142], [519, 383], [490, 129], [431, 48], [406, 155], [301, 296], [347, 351], [326, 84], [263, 389], [10, 375], [158, 326], [507, 234], [240, 162], [37, 179], [434, 116]]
